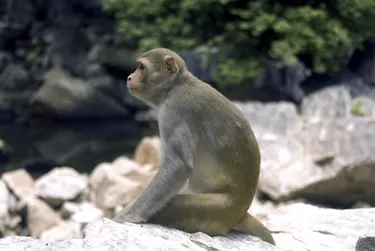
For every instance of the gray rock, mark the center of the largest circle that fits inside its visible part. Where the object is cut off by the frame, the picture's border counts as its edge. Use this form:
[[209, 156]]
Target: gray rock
[[278, 118], [357, 86], [20, 12], [90, 142], [286, 79], [61, 184], [366, 66], [106, 235], [330, 160], [63, 231], [119, 57], [69, 48], [344, 149], [14, 78], [5, 59], [277, 127], [286, 166], [87, 213], [330, 102], [203, 64], [68, 97], [301, 227]]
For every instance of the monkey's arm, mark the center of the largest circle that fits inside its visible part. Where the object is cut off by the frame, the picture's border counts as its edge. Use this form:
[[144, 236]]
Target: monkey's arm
[[171, 177]]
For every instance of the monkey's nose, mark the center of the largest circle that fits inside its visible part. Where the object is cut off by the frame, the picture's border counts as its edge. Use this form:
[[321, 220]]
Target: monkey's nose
[[129, 78]]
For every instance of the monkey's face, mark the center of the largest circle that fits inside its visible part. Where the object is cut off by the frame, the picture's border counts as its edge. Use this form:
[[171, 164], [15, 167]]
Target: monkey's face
[[154, 74]]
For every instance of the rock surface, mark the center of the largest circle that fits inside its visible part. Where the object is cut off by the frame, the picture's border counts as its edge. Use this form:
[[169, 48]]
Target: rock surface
[[40, 216], [106, 235], [68, 97], [301, 227], [61, 184], [330, 102], [63, 231], [324, 156], [295, 227]]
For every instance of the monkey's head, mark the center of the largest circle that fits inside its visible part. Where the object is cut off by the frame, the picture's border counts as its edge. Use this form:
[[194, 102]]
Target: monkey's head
[[156, 72]]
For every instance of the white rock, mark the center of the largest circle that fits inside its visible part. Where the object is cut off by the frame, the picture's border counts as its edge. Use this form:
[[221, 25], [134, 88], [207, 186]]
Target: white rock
[[87, 213], [68, 208], [63, 231], [302, 227], [61, 184]]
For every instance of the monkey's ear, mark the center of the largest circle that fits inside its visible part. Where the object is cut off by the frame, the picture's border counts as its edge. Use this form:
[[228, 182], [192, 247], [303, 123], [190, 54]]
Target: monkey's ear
[[171, 62]]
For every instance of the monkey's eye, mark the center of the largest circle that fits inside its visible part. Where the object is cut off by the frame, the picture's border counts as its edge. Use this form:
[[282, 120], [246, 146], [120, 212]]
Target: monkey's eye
[[141, 66]]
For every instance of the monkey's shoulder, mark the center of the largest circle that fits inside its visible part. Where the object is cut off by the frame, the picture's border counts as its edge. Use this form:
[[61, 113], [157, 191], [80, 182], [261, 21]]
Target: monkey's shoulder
[[199, 102]]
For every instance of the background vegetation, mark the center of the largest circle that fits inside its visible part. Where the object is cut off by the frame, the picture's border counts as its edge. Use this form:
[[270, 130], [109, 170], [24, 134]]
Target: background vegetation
[[318, 33]]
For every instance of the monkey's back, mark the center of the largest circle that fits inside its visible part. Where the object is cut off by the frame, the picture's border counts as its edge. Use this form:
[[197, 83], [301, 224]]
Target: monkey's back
[[223, 144]]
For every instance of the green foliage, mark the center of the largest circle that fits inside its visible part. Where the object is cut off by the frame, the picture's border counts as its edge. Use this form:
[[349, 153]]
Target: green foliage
[[357, 108], [318, 33]]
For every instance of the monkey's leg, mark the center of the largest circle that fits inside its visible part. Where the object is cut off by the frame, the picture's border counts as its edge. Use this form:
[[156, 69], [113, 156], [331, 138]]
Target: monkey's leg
[[253, 226], [214, 214]]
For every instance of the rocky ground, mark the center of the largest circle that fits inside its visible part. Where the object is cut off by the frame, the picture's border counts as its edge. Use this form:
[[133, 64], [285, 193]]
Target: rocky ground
[[316, 190]]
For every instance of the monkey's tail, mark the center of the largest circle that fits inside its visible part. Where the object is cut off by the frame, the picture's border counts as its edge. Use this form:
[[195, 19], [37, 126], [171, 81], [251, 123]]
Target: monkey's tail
[[253, 226]]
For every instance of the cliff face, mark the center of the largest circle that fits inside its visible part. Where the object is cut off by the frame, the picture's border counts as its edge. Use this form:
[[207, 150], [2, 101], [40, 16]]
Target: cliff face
[[53, 58]]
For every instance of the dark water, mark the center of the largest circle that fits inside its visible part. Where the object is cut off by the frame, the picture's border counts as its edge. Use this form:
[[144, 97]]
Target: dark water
[[81, 145]]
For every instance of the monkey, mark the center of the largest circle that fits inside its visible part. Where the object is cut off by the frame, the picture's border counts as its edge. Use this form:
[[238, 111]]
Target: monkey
[[209, 156]]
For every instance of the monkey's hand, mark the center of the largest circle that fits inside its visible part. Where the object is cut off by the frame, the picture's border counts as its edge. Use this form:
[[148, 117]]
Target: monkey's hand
[[127, 214], [171, 177], [131, 218]]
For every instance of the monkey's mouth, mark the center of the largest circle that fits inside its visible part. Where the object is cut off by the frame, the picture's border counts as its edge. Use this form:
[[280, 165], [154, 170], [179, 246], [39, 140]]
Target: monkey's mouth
[[132, 89], [130, 86]]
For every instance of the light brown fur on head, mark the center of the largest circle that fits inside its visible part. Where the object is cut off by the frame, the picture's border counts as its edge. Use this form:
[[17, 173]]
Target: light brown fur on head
[[156, 70], [155, 56]]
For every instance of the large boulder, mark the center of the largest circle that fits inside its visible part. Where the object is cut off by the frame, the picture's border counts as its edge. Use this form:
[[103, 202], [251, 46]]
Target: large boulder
[[302, 227], [364, 62], [65, 96], [344, 151], [325, 156], [277, 127], [329, 102], [272, 118]]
